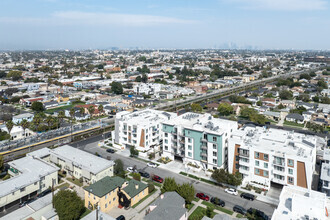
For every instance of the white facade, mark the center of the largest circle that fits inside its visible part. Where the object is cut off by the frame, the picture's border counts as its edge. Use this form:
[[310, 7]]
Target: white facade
[[141, 129], [29, 176], [299, 203], [325, 173], [19, 118], [272, 155], [147, 88], [199, 139]]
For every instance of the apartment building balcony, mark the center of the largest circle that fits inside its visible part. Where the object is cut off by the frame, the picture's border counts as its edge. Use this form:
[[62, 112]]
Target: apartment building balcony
[[203, 140], [279, 163], [243, 162], [134, 131], [279, 180], [204, 154], [278, 172], [244, 155], [182, 141], [204, 147], [244, 171]]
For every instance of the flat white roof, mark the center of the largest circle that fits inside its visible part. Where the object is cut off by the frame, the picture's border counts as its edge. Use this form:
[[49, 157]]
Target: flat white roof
[[203, 123], [276, 141], [30, 171], [25, 115], [297, 203], [87, 161]]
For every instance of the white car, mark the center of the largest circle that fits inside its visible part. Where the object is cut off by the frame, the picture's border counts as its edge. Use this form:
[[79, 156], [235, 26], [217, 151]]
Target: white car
[[231, 191], [130, 169], [151, 164]]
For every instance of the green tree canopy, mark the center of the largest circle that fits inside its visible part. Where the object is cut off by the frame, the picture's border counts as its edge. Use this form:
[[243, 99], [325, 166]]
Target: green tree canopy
[[222, 176], [225, 109], [68, 205], [196, 107], [187, 192], [286, 94], [116, 87], [169, 185], [37, 106]]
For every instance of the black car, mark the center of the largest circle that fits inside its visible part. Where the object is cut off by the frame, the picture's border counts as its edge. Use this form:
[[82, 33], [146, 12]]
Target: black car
[[26, 202], [121, 217], [111, 150], [217, 201], [44, 193], [144, 174], [247, 196], [239, 209], [257, 213]]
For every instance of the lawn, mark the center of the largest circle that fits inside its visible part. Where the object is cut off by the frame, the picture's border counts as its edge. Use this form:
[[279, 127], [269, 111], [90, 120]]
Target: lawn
[[294, 124], [144, 199], [51, 111], [240, 216], [190, 206], [199, 213], [196, 199], [221, 209], [75, 181], [62, 185]]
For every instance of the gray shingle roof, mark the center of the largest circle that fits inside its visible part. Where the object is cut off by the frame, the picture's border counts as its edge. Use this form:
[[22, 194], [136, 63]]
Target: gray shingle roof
[[105, 185]]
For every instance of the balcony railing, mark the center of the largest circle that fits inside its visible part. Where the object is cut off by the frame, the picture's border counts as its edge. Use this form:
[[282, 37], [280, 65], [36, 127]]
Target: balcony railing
[[279, 163], [203, 140], [244, 155], [203, 154], [204, 147]]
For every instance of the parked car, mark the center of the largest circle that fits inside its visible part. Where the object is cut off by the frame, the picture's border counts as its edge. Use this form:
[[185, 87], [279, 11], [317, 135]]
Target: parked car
[[157, 179], [44, 193], [202, 196], [247, 196], [121, 217], [26, 202], [231, 191], [239, 209], [144, 174], [130, 169], [257, 213], [217, 201], [151, 164], [111, 151]]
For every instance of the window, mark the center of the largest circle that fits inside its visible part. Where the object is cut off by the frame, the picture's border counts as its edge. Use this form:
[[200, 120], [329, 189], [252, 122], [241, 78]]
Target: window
[[266, 157], [147, 137], [256, 155], [214, 161], [106, 196], [265, 173], [22, 189], [166, 141], [257, 171], [94, 198], [189, 154], [166, 147], [114, 199], [109, 202], [142, 192], [189, 147], [214, 146], [189, 140], [266, 165], [257, 163], [290, 171], [214, 138], [290, 179], [290, 163], [166, 135], [214, 153], [106, 205], [325, 183], [237, 158], [35, 183]]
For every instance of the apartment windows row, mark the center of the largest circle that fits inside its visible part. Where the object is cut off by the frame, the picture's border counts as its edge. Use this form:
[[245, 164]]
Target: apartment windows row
[[261, 172], [261, 156], [265, 164]]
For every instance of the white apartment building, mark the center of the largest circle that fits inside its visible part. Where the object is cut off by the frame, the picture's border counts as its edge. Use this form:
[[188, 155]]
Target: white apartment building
[[147, 88], [325, 172], [265, 156], [29, 176], [300, 203], [141, 129], [77, 163], [199, 139]]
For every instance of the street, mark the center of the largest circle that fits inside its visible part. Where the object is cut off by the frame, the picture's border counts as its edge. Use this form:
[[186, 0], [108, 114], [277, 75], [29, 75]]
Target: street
[[91, 145]]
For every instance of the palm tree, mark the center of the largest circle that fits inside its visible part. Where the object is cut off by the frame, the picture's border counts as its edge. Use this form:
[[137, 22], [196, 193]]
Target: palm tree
[[82, 111], [49, 120], [9, 125], [25, 124], [100, 108], [60, 116], [72, 112], [91, 110], [36, 121]]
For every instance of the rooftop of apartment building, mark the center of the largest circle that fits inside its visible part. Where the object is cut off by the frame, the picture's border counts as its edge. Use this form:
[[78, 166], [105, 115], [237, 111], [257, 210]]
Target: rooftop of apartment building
[[300, 203], [29, 170], [203, 122], [78, 157], [276, 140], [144, 117]]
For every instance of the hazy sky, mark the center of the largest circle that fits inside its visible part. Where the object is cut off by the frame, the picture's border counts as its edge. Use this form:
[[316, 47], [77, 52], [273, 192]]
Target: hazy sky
[[84, 24]]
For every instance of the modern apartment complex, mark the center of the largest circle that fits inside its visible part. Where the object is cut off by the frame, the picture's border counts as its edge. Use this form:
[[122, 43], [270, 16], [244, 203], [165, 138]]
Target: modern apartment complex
[[29, 176], [77, 163], [325, 172], [198, 138], [141, 129], [264, 156]]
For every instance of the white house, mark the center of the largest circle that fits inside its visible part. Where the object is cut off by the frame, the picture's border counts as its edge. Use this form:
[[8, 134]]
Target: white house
[[17, 119]]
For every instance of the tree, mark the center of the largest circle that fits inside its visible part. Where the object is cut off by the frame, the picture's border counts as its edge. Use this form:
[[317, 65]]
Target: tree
[[225, 109], [25, 124], [100, 108], [49, 120], [91, 110], [136, 176], [209, 211], [119, 168], [4, 136], [222, 176], [37, 106], [60, 116], [68, 205], [196, 107], [116, 87], [187, 192], [144, 78], [169, 185], [286, 94], [14, 75], [81, 110], [9, 125], [138, 79], [1, 163], [72, 112], [151, 187], [133, 152]]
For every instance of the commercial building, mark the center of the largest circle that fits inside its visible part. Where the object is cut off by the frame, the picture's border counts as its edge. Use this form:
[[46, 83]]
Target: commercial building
[[141, 129], [77, 163], [110, 192], [29, 176], [198, 138], [300, 203], [325, 173], [265, 156], [169, 205]]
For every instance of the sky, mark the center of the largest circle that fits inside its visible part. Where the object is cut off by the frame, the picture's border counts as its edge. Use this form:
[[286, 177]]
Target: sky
[[170, 24]]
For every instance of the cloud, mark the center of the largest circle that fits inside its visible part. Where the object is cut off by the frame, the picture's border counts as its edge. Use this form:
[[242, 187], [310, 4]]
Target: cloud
[[65, 18], [282, 5]]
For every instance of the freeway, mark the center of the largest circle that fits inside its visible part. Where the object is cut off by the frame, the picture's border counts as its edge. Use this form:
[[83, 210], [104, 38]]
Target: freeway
[[91, 145]]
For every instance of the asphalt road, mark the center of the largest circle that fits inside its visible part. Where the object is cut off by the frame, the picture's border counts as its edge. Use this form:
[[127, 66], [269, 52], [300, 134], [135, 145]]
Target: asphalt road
[[91, 145]]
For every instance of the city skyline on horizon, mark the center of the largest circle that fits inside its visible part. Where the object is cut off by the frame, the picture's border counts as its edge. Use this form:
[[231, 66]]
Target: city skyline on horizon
[[219, 24]]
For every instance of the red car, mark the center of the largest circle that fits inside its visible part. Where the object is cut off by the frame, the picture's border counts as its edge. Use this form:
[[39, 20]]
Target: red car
[[202, 196], [157, 179]]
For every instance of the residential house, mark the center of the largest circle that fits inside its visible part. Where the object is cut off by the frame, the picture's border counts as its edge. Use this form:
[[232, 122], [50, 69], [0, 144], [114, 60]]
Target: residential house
[[169, 205], [28, 101], [290, 104], [110, 192], [63, 98], [295, 117], [50, 104], [307, 115], [17, 119], [96, 214], [96, 112], [275, 116], [18, 132], [325, 92]]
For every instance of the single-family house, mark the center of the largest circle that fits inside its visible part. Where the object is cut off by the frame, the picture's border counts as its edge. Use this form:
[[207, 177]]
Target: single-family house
[[295, 117], [17, 119]]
